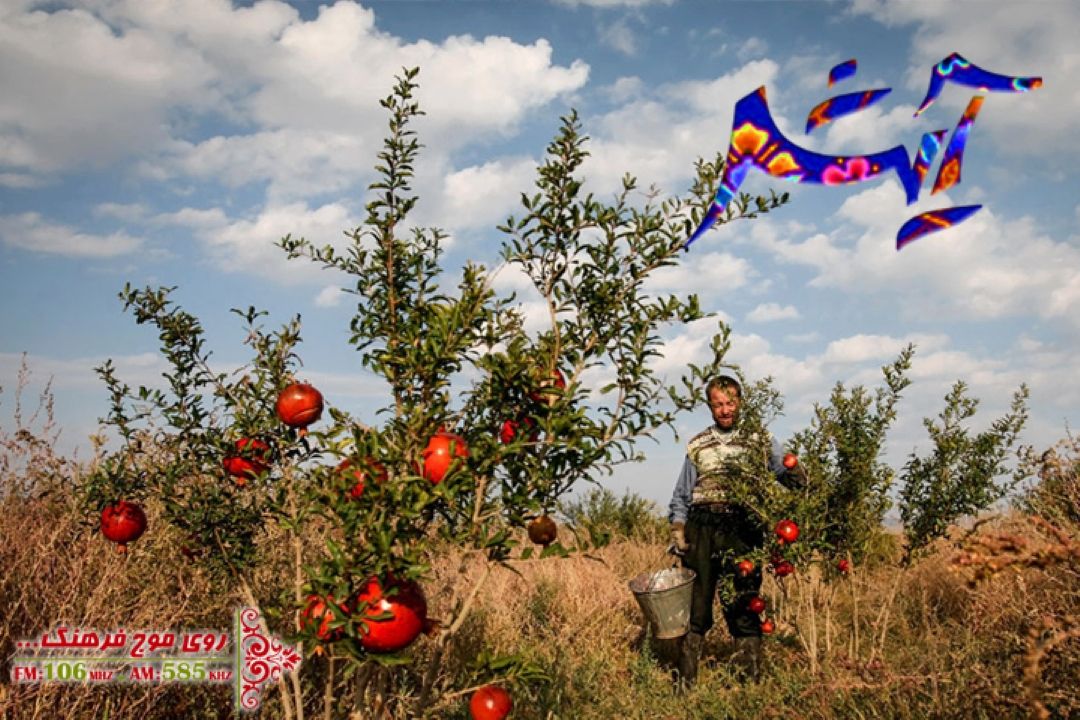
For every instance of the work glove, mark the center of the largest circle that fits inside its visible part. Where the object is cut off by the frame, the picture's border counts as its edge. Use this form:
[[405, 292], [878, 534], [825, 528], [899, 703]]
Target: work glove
[[679, 546]]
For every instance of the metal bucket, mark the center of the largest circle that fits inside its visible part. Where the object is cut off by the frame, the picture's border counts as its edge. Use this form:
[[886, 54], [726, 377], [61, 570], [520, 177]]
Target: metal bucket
[[664, 597]]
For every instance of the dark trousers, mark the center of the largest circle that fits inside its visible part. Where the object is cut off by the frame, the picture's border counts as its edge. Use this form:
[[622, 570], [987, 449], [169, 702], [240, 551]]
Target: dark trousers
[[717, 542]]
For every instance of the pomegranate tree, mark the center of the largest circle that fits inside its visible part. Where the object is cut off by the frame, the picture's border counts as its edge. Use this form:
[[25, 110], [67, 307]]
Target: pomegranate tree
[[451, 355]]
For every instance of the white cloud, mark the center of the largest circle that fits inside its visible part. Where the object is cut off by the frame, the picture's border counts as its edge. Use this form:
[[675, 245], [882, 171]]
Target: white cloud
[[620, 37], [136, 79], [861, 348], [689, 345], [986, 267], [20, 181], [1007, 38], [194, 218], [804, 380], [297, 162], [752, 47], [483, 195], [511, 278], [714, 272], [657, 137], [873, 130], [624, 89], [248, 245], [329, 296], [129, 212], [768, 312], [29, 231], [106, 95], [78, 373]]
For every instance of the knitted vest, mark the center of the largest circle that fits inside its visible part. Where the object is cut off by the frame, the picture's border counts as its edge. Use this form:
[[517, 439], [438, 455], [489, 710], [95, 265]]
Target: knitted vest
[[709, 450]]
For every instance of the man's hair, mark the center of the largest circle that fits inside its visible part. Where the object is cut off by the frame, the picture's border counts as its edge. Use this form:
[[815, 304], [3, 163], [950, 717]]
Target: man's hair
[[723, 382]]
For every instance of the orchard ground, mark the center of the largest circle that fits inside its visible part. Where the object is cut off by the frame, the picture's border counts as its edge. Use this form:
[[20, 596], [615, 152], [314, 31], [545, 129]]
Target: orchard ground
[[983, 625]]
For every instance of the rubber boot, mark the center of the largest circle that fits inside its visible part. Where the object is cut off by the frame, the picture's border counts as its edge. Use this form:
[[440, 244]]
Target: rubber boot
[[747, 657], [689, 655]]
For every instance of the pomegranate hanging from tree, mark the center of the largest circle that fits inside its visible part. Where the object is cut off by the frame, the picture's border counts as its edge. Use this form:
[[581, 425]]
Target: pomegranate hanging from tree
[[252, 459], [783, 568], [787, 531], [543, 530], [490, 702], [440, 453], [318, 615], [123, 522], [404, 601], [544, 394], [361, 472], [299, 405]]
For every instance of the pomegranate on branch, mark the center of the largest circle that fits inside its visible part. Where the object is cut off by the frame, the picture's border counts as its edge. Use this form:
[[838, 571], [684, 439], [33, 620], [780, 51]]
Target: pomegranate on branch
[[299, 405], [123, 522]]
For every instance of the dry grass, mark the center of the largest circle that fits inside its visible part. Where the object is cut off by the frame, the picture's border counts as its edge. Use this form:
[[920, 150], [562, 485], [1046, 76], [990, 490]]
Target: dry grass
[[985, 626]]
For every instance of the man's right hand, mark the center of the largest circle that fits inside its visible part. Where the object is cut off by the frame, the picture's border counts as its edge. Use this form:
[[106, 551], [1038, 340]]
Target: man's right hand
[[679, 546]]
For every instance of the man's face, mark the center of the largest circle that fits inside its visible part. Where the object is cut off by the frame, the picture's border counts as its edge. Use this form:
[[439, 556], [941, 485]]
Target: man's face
[[724, 405]]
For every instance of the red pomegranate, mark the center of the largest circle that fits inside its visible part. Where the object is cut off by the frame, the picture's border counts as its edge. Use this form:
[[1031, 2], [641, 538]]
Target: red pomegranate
[[440, 453], [510, 428], [783, 568], [787, 531], [299, 405], [490, 702], [767, 626], [756, 604], [745, 567], [542, 394], [122, 523], [361, 471], [252, 459], [844, 566], [791, 461], [318, 615], [396, 613]]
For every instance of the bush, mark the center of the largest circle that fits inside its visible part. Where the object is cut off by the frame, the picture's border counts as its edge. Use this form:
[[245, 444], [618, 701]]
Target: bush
[[1056, 495], [604, 516]]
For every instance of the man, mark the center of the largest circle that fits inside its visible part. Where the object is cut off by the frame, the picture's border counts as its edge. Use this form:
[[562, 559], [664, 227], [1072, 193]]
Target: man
[[711, 533]]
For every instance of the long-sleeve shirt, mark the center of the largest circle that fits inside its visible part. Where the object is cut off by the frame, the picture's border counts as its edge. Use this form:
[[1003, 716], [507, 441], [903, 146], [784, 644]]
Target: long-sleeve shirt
[[682, 498]]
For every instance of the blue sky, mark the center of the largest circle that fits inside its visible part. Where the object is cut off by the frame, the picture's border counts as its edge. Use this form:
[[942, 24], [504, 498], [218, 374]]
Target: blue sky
[[173, 143]]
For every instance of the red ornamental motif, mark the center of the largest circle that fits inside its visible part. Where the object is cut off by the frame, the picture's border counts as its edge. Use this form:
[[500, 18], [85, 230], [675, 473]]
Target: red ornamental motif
[[265, 659], [857, 169]]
